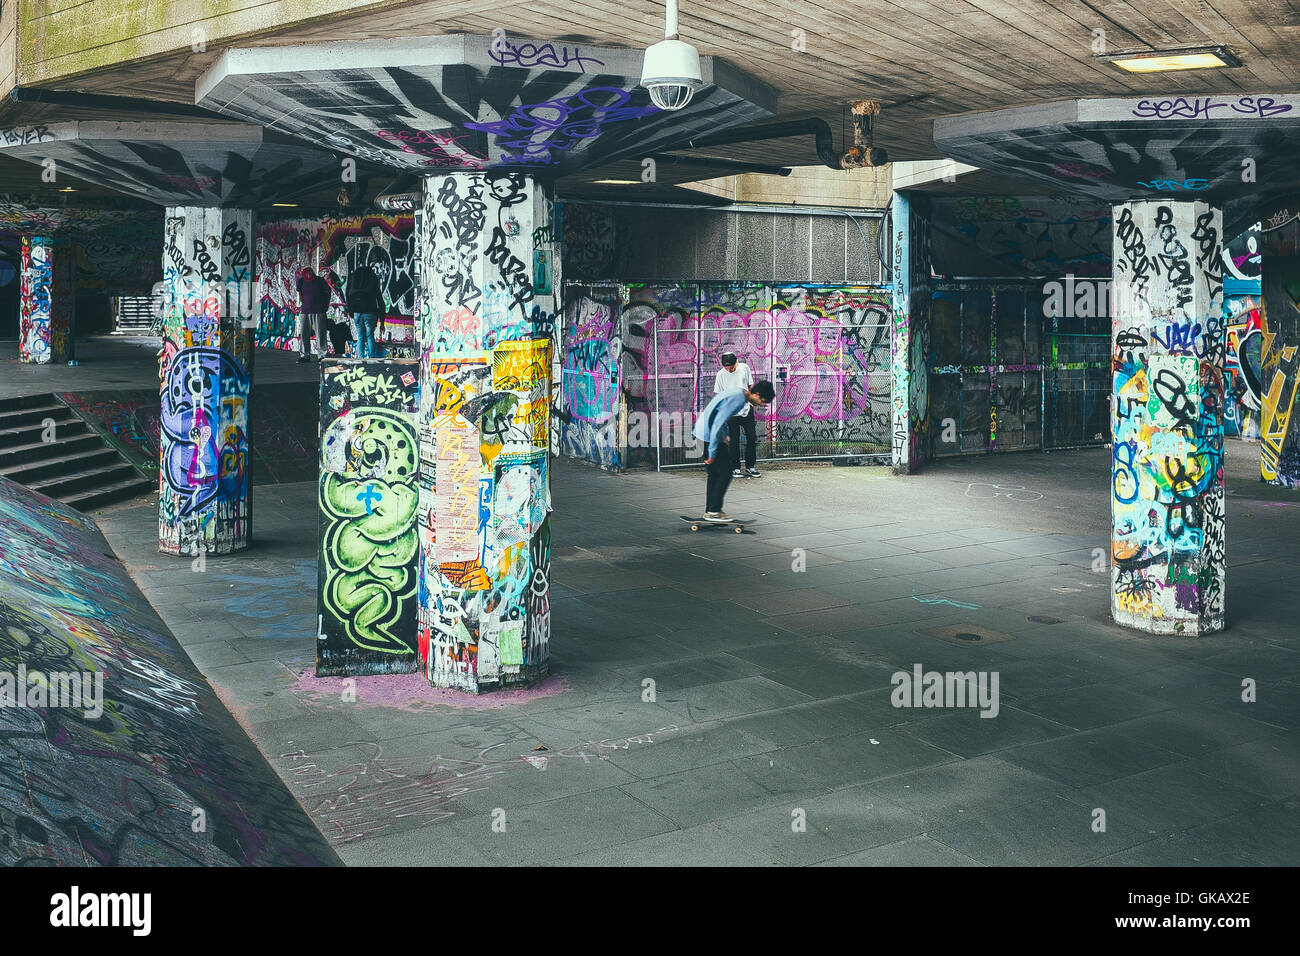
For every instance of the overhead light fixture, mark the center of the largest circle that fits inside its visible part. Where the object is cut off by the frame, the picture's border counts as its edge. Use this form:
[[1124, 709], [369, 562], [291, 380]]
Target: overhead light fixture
[[671, 69], [285, 205], [1164, 61], [67, 189], [616, 182]]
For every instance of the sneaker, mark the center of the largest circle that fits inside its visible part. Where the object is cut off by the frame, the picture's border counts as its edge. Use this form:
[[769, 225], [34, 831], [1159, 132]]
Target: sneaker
[[737, 473], [751, 472], [721, 516]]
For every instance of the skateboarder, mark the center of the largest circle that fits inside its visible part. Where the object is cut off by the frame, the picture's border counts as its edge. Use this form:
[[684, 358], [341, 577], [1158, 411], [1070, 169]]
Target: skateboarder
[[734, 374], [712, 426]]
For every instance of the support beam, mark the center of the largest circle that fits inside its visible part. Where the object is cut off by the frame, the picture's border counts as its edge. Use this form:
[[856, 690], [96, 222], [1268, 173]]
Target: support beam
[[46, 303], [206, 366], [910, 343], [1167, 506], [489, 278]]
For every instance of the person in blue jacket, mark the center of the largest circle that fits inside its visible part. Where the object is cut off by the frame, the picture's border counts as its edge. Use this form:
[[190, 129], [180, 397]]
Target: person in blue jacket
[[711, 427]]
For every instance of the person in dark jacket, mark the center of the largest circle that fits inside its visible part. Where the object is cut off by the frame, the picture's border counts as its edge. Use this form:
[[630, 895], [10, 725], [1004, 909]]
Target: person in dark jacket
[[314, 299], [365, 302]]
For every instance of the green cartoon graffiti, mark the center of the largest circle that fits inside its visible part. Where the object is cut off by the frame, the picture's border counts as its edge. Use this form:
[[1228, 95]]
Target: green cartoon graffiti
[[368, 501]]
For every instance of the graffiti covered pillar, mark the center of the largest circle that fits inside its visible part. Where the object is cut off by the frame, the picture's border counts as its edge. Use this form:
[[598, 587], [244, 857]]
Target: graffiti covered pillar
[[488, 286], [1167, 505], [910, 345], [46, 300], [1280, 357], [206, 367]]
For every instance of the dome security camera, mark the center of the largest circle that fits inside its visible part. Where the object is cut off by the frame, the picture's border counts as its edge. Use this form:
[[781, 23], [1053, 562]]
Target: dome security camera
[[671, 73], [671, 69]]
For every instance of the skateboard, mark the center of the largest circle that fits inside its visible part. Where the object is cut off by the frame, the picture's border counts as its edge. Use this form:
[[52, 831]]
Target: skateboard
[[736, 524]]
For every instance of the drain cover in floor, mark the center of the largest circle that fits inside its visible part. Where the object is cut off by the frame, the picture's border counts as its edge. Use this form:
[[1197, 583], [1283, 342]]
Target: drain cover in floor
[[967, 634]]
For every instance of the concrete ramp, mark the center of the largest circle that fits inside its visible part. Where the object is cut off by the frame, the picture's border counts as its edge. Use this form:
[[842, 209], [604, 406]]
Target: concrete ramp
[[150, 769]]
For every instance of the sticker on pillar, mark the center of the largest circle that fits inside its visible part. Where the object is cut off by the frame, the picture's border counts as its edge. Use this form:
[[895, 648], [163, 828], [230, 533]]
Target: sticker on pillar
[[1175, 388], [518, 486], [456, 506], [521, 365], [368, 564], [511, 644], [541, 272]]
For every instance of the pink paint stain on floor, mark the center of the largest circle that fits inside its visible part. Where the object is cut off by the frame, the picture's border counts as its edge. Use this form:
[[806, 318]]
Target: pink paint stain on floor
[[414, 692]]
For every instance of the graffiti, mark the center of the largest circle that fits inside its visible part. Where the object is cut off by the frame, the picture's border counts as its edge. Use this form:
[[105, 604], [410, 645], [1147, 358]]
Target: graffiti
[[386, 243], [1280, 365], [120, 789], [506, 53], [823, 347], [369, 497], [25, 135], [589, 241], [1173, 185], [1168, 423], [483, 435], [35, 278], [1020, 235], [201, 461], [1203, 107], [204, 500], [534, 133], [981, 489], [443, 148]]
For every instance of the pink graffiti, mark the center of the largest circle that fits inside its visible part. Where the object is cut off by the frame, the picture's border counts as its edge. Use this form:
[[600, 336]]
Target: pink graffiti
[[822, 378]]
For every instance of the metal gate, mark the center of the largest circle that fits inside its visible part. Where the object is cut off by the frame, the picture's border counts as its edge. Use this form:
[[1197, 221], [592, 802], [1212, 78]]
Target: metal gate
[[1003, 377], [826, 351]]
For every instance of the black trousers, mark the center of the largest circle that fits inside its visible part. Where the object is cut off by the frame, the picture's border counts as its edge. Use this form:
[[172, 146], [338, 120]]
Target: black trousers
[[719, 480], [734, 426]]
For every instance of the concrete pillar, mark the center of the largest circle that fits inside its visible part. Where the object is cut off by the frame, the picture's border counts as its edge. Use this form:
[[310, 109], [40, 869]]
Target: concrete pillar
[[489, 279], [206, 365], [1167, 502], [46, 303], [369, 499], [1280, 357], [910, 343]]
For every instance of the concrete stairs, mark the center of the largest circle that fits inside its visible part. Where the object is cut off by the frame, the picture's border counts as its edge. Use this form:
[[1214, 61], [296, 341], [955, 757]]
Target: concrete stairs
[[47, 448]]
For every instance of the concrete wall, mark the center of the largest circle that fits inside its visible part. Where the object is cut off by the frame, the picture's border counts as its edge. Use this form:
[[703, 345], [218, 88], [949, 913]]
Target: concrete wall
[[805, 186], [657, 243]]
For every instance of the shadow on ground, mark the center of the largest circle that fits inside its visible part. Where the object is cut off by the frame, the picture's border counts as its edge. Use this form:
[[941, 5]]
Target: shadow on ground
[[772, 686]]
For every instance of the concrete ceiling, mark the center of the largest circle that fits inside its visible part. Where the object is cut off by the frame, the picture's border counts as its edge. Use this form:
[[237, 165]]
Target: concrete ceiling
[[922, 59], [1236, 151], [426, 104], [182, 162]]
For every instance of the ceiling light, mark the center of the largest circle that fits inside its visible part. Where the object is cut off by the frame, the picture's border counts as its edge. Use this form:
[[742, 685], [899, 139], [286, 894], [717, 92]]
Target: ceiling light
[[1163, 61], [285, 205], [671, 69], [616, 182], [67, 189]]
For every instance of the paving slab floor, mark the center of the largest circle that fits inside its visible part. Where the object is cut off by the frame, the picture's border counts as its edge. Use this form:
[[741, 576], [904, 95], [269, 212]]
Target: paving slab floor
[[770, 737]]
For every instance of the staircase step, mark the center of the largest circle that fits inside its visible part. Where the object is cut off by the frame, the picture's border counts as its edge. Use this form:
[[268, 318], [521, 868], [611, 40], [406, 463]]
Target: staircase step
[[42, 451], [97, 497], [84, 480], [65, 425], [13, 417], [26, 472], [27, 401]]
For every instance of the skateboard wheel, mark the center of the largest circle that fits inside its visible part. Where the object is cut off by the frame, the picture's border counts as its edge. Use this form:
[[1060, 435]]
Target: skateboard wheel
[[739, 530], [695, 527]]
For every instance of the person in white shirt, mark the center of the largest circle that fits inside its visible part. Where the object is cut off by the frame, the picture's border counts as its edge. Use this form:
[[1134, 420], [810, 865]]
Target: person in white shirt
[[735, 374]]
